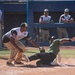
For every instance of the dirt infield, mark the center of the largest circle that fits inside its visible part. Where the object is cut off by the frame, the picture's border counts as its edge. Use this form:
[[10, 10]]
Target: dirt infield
[[68, 68]]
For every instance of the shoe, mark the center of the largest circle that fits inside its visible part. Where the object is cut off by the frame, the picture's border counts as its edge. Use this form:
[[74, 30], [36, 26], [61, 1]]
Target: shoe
[[18, 63], [9, 64], [26, 58]]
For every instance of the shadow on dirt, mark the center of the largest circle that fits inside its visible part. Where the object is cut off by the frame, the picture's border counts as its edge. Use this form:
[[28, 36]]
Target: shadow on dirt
[[52, 66], [28, 66], [4, 58]]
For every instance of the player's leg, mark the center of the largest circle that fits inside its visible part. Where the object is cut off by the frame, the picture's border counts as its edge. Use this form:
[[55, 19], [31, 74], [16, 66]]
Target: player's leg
[[59, 31], [34, 57], [43, 34], [19, 54], [13, 52], [57, 60], [47, 35], [45, 57], [46, 60], [20, 45], [18, 58], [65, 33], [40, 63]]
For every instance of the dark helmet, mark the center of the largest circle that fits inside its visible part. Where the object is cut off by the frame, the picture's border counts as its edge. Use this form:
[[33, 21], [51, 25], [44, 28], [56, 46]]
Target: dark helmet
[[24, 24], [52, 37]]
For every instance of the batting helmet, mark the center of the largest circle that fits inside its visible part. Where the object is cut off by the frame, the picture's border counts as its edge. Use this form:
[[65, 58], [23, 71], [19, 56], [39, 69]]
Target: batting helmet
[[52, 37]]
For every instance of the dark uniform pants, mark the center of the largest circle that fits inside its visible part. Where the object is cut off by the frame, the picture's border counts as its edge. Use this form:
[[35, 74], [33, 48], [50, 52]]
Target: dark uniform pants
[[45, 58]]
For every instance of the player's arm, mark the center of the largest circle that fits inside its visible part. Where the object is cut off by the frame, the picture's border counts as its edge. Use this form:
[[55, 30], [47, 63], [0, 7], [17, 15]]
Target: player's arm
[[51, 21], [64, 40], [71, 20], [12, 40], [41, 49], [41, 21], [64, 20], [32, 42]]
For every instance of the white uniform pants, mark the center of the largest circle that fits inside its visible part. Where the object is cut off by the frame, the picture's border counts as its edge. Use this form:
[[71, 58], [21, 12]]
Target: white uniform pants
[[14, 53]]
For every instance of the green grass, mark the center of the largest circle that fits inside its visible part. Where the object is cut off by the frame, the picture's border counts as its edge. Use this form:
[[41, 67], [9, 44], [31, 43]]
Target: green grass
[[68, 53], [64, 53]]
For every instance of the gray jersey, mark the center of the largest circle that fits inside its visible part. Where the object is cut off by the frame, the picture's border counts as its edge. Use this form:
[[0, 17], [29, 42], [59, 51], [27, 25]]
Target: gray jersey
[[68, 17], [45, 19]]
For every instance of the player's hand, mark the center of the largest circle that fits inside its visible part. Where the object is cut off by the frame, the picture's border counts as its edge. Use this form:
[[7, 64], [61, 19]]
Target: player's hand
[[73, 39]]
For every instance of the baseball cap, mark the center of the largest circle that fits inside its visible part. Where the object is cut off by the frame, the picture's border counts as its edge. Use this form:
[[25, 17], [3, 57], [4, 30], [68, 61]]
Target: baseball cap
[[46, 10], [24, 24], [66, 10]]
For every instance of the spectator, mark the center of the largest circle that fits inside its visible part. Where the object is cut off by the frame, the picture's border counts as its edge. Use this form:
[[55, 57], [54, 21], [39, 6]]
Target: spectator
[[44, 19], [64, 18]]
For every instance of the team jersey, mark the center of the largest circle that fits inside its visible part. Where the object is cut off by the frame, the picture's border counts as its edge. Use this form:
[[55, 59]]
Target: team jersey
[[68, 17], [17, 34], [54, 47], [45, 19]]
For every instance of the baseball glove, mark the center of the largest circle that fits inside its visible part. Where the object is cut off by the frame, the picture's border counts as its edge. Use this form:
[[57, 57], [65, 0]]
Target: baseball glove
[[42, 50]]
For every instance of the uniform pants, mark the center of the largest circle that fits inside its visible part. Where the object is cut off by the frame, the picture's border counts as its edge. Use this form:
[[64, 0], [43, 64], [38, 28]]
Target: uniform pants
[[45, 34], [45, 58], [62, 32], [14, 53]]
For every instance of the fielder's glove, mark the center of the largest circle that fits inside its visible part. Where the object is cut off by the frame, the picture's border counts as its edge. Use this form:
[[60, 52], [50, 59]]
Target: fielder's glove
[[42, 50]]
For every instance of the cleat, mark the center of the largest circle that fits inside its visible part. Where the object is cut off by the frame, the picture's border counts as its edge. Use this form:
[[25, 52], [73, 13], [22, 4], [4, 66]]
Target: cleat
[[9, 64], [26, 58]]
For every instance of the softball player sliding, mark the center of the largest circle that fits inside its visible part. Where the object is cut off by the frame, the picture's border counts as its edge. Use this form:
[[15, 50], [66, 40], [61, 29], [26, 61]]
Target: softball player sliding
[[47, 58], [11, 41]]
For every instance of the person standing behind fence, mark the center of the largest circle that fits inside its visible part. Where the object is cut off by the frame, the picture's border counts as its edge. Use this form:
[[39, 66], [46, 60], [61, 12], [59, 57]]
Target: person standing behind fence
[[44, 19], [64, 18]]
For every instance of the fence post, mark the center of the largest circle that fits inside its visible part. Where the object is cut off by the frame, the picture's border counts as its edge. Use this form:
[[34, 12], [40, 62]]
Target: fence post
[[0, 35]]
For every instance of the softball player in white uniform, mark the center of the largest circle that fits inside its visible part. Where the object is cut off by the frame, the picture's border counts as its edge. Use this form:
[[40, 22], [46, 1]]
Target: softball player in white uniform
[[11, 41]]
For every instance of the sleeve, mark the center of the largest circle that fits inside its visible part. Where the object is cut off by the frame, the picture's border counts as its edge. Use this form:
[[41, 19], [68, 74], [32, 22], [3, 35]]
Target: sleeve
[[70, 17], [65, 39], [60, 19], [41, 18], [13, 33], [62, 16], [28, 37]]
